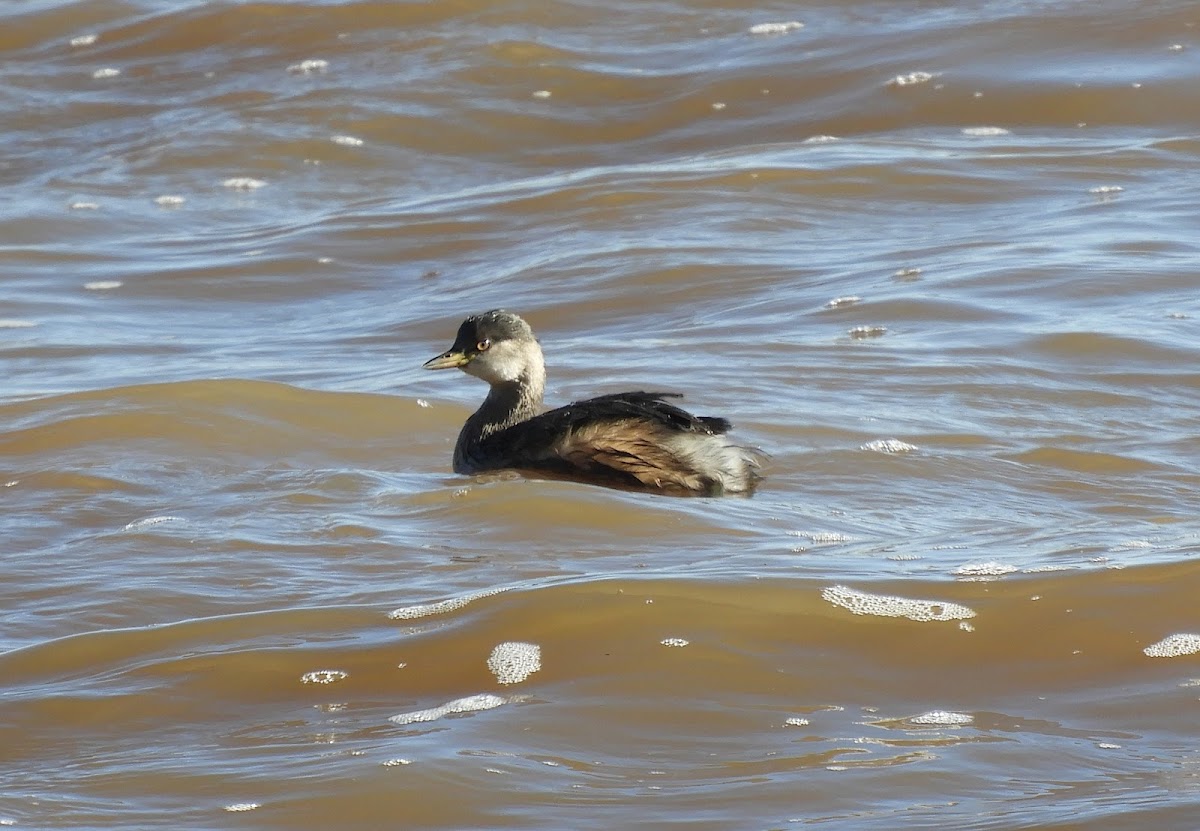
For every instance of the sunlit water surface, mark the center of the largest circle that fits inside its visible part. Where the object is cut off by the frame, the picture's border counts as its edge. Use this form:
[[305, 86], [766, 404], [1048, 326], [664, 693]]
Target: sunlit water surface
[[940, 261]]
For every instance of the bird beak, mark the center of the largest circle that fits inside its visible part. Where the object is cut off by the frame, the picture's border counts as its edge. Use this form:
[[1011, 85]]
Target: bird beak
[[447, 360]]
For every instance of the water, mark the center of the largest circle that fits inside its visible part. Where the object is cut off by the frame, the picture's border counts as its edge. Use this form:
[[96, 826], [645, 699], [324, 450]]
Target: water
[[959, 311]]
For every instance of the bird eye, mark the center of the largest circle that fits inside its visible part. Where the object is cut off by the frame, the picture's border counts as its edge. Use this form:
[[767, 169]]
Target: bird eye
[[483, 345]]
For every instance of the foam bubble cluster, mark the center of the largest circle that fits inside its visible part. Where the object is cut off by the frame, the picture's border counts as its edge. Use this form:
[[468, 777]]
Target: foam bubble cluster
[[822, 537], [1172, 646], [243, 183], [514, 661], [838, 302], [151, 520], [984, 131], [106, 72], [308, 67], [775, 28], [442, 606], [942, 718], [470, 704], [867, 331], [677, 642], [103, 285], [239, 807], [169, 201], [862, 603], [347, 141], [84, 40], [991, 568], [889, 446], [323, 676], [910, 79]]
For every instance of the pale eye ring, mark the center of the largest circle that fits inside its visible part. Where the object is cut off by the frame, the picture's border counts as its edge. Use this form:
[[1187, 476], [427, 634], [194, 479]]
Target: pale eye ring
[[483, 345]]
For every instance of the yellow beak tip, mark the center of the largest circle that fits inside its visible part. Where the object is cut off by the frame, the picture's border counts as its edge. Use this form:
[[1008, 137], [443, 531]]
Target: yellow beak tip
[[448, 360]]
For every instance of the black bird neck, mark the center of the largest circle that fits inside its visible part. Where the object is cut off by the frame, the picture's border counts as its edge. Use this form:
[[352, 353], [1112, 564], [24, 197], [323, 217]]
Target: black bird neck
[[507, 404]]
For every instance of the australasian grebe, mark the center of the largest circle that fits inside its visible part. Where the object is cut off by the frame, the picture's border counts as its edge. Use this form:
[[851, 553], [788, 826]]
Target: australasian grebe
[[625, 440]]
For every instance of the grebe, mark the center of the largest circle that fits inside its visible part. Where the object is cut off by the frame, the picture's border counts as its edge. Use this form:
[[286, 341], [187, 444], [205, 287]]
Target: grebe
[[632, 440]]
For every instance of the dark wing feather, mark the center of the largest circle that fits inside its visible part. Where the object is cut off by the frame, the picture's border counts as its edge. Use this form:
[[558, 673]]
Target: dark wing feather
[[618, 438], [649, 405]]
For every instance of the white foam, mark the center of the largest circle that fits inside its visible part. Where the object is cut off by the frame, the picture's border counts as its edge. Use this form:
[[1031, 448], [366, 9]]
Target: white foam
[[239, 807], [795, 721], [106, 72], [542, 93], [169, 201], [149, 521], [243, 183], [391, 763], [820, 139], [1133, 545], [985, 131], [676, 642], [1101, 190], [442, 606], [990, 568], [862, 603], [103, 285], [907, 274], [866, 331], [1172, 646], [84, 40], [309, 66], [14, 323], [324, 676], [889, 446], [347, 141], [821, 537], [84, 206], [942, 718], [514, 661], [718, 105], [911, 78], [775, 28], [838, 302], [470, 704]]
